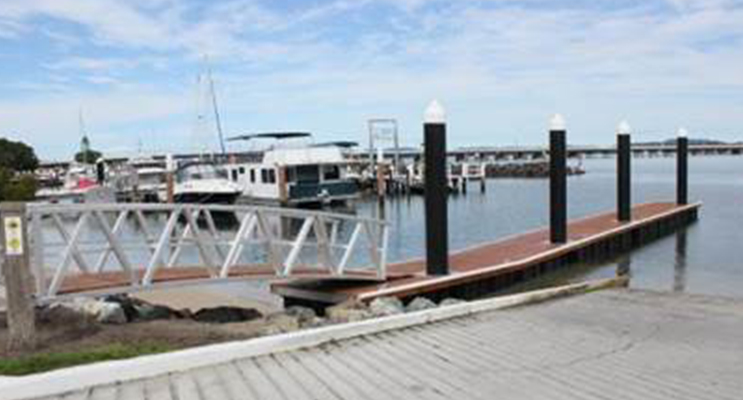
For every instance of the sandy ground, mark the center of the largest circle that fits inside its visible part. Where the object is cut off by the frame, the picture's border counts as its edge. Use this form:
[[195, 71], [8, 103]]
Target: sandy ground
[[237, 294]]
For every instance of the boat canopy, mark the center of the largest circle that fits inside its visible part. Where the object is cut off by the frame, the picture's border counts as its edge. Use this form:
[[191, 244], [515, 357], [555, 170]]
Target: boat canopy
[[199, 170], [342, 143], [271, 135]]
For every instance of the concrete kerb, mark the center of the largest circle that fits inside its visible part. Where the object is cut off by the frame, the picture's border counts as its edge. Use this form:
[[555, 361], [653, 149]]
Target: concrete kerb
[[76, 378]]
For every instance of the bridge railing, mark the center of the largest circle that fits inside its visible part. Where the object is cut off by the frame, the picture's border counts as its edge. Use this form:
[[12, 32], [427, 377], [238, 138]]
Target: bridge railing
[[128, 247]]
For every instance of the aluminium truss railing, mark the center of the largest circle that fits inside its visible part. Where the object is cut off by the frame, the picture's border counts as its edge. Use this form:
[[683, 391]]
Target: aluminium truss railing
[[144, 241]]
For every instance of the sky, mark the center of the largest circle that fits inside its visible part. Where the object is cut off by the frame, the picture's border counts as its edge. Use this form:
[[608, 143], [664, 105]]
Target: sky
[[501, 68]]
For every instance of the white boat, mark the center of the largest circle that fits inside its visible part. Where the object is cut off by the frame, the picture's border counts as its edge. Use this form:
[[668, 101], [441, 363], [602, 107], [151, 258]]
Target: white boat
[[150, 178], [78, 180], [204, 183], [294, 176]]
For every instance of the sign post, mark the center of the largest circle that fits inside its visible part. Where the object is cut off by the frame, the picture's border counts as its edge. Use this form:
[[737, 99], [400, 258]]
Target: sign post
[[17, 274]]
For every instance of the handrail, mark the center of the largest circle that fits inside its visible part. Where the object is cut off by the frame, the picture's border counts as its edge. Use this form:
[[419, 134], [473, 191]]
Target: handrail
[[52, 208], [143, 242]]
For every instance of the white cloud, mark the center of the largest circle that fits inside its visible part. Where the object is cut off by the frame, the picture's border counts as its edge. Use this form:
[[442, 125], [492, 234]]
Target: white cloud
[[339, 61]]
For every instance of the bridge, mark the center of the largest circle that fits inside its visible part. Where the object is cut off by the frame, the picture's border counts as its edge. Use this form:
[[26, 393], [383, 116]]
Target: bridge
[[638, 150], [491, 154], [96, 249]]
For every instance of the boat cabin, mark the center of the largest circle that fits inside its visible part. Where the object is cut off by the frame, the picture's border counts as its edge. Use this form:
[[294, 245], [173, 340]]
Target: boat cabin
[[314, 173]]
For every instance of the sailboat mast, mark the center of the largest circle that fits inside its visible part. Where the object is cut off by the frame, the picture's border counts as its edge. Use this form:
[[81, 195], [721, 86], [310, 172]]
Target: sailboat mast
[[217, 119], [84, 141]]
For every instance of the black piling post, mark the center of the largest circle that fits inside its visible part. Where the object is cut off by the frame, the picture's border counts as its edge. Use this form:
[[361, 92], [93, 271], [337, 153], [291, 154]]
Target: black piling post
[[100, 171], [437, 236], [558, 181], [682, 168], [624, 173]]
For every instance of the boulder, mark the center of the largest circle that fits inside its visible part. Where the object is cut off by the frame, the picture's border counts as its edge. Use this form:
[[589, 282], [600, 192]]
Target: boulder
[[347, 312], [150, 312], [420, 304], [110, 313], [317, 322], [101, 311], [384, 306], [62, 314], [221, 315], [304, 314], [280, 323], [342, 315], [128, 304], [450, 301]]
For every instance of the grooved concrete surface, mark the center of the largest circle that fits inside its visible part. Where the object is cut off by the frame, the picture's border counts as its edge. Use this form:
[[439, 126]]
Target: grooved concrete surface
[[615, 344]]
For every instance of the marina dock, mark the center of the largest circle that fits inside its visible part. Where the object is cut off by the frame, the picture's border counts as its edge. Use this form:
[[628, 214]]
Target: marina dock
[[486, 268], [606, 344]]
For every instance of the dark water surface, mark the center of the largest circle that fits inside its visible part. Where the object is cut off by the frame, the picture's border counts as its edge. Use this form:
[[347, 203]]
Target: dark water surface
[[705, 258]]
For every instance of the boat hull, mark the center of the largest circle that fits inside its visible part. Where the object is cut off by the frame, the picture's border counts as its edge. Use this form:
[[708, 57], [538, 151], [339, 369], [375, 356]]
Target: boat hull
[[206, 198]]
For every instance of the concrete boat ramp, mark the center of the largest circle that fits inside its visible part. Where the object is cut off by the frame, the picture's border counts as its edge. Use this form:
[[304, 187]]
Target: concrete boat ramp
[[607, 344]]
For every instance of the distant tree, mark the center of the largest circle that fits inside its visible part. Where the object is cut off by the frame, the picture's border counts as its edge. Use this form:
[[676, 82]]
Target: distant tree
[[17, 187], [88, 157], [17, 156], [17, 161]]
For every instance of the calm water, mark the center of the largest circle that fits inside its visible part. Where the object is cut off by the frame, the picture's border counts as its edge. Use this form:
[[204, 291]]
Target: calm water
[[706, 258]]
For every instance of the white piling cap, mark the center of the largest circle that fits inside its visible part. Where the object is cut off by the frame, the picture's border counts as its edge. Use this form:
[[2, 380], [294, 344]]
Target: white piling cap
[[170, 162], [557, 123], [624, 128], [435, 113], [682, 133]]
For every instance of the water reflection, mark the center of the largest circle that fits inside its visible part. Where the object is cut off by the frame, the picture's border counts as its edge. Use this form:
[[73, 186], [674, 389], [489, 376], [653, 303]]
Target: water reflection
[[679, 267]]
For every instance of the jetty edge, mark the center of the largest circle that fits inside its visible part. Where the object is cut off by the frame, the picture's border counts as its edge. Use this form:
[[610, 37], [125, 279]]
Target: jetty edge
[[484, 269]]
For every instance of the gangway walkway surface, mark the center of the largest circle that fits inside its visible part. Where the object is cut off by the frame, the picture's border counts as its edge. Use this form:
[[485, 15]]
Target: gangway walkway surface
[[612, 344]]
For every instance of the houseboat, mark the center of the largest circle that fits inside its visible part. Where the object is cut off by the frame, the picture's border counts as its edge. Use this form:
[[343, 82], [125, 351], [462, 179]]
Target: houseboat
[[296, 175]]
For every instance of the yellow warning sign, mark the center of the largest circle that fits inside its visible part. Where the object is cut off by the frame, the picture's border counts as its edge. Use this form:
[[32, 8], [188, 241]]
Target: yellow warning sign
[[13, 236]]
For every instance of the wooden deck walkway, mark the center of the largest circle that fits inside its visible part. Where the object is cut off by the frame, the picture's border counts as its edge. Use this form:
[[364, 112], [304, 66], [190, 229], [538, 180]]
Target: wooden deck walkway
[[524, 254], [111, 281], [614, 344]]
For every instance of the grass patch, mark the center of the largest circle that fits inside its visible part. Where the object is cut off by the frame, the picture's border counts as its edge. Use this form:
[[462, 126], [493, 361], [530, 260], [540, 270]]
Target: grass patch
[[50, 361]]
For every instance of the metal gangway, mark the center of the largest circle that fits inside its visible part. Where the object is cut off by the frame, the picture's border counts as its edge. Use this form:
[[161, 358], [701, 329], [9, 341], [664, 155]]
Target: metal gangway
[[97, 249]]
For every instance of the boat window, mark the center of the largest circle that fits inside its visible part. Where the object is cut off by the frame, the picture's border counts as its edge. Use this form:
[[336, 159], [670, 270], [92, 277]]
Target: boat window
[[201, 171], [234, 175], [271, 176], [252, 175], [308, 174], [331, 172], [242, 170], [291, 175], [264, 176]]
